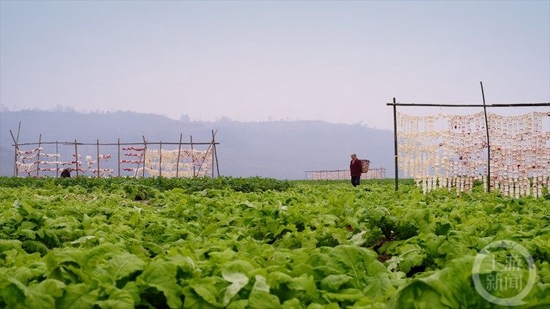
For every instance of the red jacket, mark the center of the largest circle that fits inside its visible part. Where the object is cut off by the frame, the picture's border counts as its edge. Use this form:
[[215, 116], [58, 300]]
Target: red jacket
[[356, 167]]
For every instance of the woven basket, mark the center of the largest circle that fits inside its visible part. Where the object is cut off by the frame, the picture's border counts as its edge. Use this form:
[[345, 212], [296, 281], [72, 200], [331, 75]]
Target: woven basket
[[365, 165]]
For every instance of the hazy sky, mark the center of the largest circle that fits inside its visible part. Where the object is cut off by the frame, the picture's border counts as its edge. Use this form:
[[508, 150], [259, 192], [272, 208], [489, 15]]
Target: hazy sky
[[338, 61]]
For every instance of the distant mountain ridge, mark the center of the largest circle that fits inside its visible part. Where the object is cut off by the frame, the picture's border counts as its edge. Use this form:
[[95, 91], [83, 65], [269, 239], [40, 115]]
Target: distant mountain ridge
[[277, 149]]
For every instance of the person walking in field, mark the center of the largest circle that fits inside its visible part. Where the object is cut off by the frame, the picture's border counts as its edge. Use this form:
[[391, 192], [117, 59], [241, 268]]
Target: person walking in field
[[356, 168]]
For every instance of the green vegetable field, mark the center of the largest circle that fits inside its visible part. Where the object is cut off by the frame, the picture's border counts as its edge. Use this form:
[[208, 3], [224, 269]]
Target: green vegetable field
[[262, 243]]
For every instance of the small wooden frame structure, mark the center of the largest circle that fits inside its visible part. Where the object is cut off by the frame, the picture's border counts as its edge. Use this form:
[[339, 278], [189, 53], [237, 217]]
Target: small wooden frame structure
[[132, 159], [341, 174]]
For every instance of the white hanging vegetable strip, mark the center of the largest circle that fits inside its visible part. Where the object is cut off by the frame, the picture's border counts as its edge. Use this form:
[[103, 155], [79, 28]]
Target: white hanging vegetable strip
[[450, 151]]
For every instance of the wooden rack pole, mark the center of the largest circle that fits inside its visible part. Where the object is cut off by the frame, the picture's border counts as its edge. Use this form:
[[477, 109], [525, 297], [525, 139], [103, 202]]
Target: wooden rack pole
[[16, 151], [178, 159], [204, 158], [38, 155], [76, 157], [97, 152], [144, 153], [56, 159], [192, 155], [17, 140], [487, 140], [118, 156], [395, 152], [215, 154]]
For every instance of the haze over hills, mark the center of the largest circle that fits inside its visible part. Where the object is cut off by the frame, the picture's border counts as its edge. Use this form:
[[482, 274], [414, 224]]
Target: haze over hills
[[278, 149]]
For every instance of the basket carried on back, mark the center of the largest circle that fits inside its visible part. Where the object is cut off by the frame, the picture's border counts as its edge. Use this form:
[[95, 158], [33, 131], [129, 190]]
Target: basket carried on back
[[365, 165]]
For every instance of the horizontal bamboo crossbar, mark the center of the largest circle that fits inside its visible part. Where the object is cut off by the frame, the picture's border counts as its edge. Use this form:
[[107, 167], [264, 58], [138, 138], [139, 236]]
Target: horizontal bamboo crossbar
[[470, 105]]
